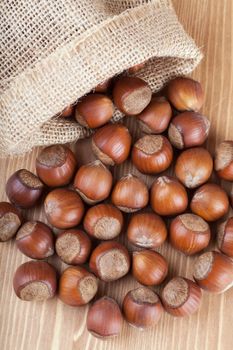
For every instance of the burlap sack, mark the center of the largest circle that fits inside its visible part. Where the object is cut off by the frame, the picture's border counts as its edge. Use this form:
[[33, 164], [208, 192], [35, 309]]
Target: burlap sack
[[54, 51]]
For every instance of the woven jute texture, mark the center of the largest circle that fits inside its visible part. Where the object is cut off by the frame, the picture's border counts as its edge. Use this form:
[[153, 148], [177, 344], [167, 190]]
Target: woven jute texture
[[52, 52]]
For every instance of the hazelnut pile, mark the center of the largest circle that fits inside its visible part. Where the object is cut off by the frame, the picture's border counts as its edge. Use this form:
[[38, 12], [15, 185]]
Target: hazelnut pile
[[88, 197]]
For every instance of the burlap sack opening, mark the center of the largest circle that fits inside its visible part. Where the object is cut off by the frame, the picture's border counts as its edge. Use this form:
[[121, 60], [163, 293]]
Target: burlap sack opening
[[54, 51]]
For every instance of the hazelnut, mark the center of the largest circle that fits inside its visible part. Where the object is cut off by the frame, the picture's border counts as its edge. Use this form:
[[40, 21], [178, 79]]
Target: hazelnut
[[24, 189], [194, 167], [156, 116], [73, 246], [130, 194], [223, 163], [189, 233], [63, 208], [188, 129], [94, 110], [35, 281], [181, 297], [142, 308], [110, 261], [104, 318], [131, 95], [10, 221], [111, 144], [35, 239], [213, 272], [103, 221], [77, 286], [56, 165], [146, 230], [152, 154], [168, 196], [149, 267], [185, 94], [93, 182], [210, 202]]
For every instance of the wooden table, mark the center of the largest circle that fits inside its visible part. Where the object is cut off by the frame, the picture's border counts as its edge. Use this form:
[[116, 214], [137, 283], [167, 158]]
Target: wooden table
[[53, 325]]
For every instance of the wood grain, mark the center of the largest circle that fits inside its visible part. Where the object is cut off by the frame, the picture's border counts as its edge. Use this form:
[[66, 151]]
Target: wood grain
[[53, 325]]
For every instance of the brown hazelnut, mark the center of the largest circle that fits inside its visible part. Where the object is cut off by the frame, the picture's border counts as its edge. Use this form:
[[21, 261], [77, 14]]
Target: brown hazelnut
[[93, 182], [210, 202], [149, 267], [223, 162], [225, 237], [147, 230], [156, 116], [103, 221], [188, 129], [77, 286], [104, 318], [84, 152], [110, 261], [136, 68], [130, 194], [35, 239], [67, 112], [142, 308], [104, 86], [10, 221], [63, 208], [189, 233], [111, 144], [131, 95], [152, 154], [168, 196], [24, 189], [73, 246], [213, 272], [181, 297], [194, 167], [94, 110], [185, 94], [35, 281], [56, 165]]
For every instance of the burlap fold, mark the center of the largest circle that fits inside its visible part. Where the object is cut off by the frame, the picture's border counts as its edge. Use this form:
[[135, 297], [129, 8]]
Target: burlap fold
[[55, 51]]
